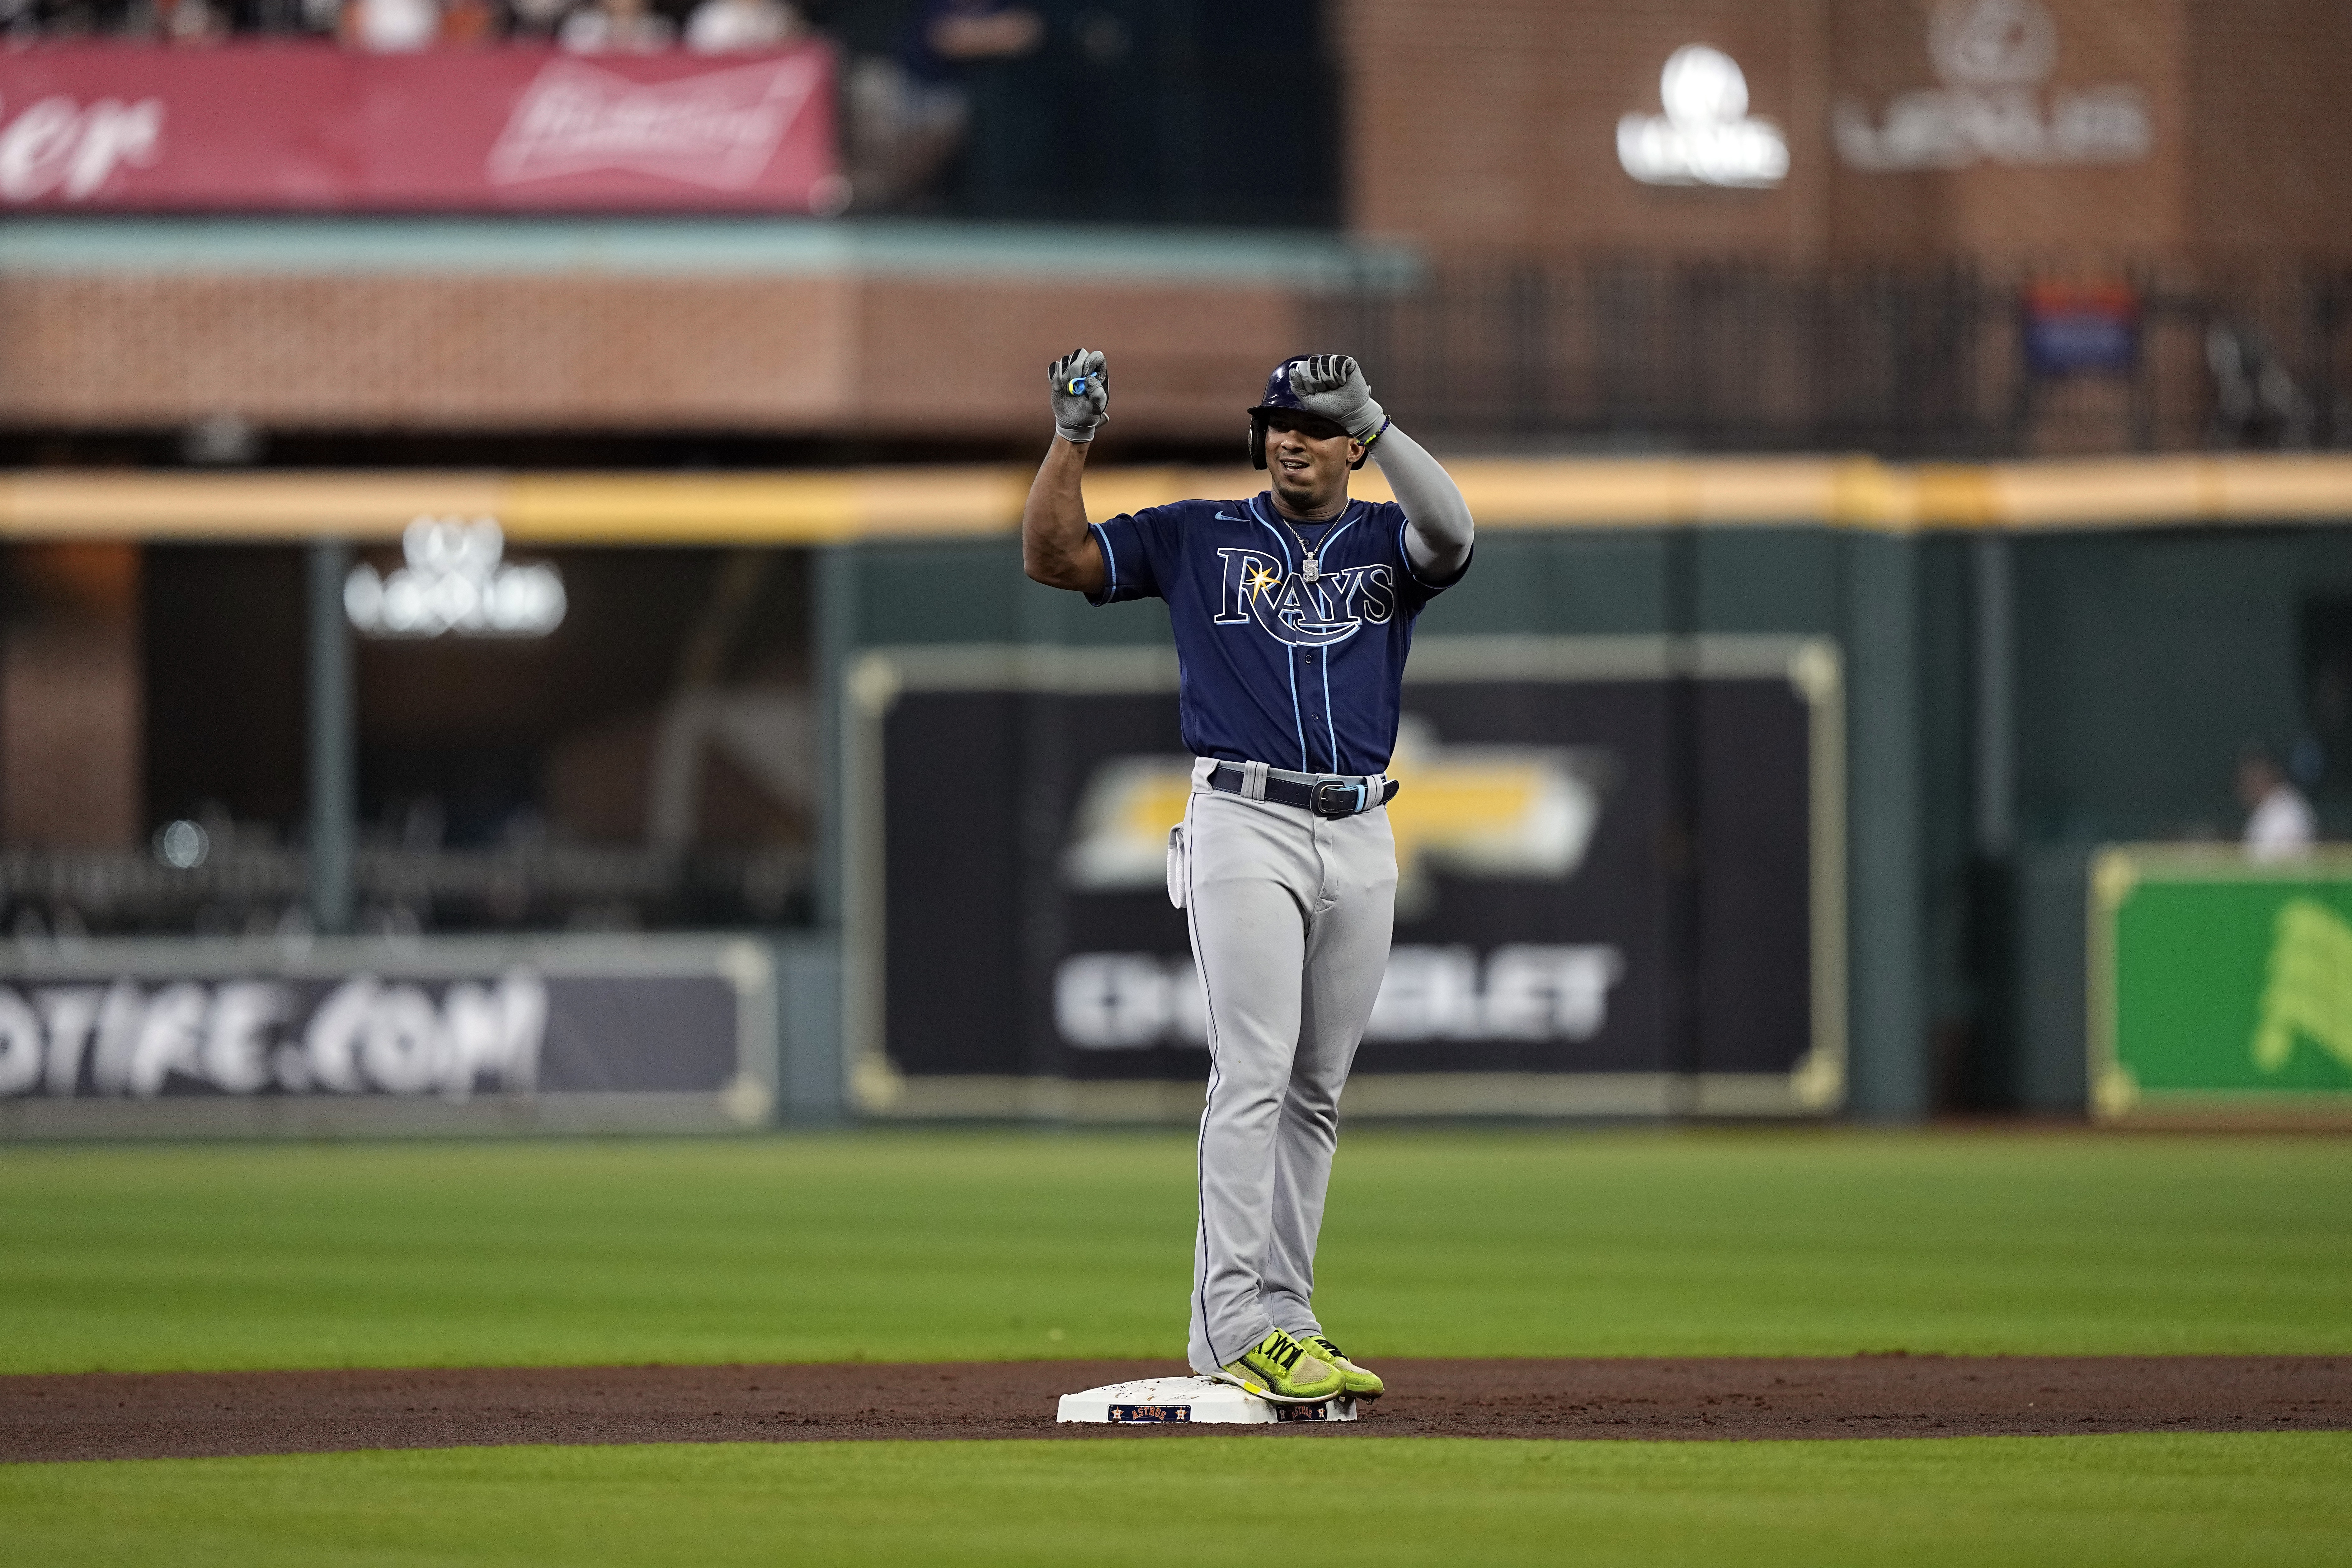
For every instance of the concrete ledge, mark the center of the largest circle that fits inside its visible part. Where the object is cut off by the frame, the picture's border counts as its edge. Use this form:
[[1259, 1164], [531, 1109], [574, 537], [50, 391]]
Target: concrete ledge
[[369, 1115], [747, 247], [1369, 1096]]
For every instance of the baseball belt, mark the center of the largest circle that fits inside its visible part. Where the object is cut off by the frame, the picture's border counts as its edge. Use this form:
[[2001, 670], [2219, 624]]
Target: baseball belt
[[1325, 794]]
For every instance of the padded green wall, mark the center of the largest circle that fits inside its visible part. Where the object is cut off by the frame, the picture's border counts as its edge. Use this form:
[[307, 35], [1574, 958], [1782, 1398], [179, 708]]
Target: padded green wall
[[2143, 661]]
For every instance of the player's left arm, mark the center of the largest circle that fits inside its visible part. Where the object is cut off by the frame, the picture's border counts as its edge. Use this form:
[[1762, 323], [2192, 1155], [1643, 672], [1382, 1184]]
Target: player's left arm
[[1438, 531]]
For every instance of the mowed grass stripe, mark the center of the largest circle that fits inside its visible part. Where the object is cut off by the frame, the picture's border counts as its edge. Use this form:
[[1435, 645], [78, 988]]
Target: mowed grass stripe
[[2081, 1501], [927, 1245]]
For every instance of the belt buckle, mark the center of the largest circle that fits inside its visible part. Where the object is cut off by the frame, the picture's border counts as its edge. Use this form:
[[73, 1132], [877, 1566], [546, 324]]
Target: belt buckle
[[1330, 794]]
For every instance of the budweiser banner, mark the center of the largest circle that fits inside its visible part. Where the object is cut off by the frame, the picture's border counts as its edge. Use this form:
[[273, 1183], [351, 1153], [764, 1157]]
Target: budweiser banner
[[313, 127], [1561, 946], [180, 1036]]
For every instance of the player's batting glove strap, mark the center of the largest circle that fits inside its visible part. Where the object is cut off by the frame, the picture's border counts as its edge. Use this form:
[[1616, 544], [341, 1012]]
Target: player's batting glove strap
[[1333, 386], [1081, 395]]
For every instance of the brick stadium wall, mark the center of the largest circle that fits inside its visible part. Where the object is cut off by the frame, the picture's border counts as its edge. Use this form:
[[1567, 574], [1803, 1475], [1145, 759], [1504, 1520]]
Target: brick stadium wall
[[160, 350], [1186, 359], [70, 682], [1880, 49], [1472, 131], [790, 354], [2270, 158], [1492, 129]]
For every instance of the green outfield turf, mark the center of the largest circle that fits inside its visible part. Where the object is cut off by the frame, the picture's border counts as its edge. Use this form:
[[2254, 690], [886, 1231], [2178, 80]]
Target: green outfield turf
[[2269, 1498], [935, 1245]]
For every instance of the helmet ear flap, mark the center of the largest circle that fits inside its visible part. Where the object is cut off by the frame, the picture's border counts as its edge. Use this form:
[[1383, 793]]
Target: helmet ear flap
[[1257, 441]]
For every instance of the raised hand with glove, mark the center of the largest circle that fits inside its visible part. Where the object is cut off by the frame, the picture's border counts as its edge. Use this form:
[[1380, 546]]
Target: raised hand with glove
[[1438, 531], [1332, 387], [1080, 394], [1056, 545]]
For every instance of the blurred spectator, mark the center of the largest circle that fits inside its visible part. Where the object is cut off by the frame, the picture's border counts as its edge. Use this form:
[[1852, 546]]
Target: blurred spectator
[[908, 117], [394, 26], [537, 20], [955, 32], [391, 26], [726, 26], [617, 27], [2255, 402], [464, 21], [2280, 824], [194, 21]]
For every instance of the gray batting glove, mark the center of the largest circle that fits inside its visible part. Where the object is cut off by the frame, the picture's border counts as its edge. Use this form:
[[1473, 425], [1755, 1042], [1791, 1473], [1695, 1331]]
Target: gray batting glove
[[1333, 386], [1081, 395]]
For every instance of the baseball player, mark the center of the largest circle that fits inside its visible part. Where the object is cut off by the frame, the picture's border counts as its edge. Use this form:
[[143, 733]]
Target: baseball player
[[1293, 611]]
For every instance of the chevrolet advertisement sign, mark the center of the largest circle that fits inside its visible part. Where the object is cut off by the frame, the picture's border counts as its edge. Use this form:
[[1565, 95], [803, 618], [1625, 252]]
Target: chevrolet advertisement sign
[[1577, 931]]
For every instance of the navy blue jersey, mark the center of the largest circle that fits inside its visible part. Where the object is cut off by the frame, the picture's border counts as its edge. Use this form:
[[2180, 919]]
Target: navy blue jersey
[[1278, 669]]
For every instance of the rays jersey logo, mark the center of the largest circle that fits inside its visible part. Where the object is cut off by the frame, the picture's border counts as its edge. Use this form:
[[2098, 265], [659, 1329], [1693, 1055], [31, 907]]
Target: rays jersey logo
[[1259, 589]]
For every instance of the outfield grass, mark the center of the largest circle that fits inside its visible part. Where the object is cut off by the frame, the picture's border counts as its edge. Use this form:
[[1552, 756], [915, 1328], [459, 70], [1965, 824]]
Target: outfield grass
[[937, 1245], [2270, 1497]]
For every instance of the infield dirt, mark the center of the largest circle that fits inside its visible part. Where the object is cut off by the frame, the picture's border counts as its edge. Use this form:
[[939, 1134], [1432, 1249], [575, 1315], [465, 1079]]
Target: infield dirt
[[108, 1415]]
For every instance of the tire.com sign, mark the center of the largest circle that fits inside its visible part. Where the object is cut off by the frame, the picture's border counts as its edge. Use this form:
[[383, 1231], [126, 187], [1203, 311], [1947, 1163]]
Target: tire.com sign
[[312, 127], [170, 1035]]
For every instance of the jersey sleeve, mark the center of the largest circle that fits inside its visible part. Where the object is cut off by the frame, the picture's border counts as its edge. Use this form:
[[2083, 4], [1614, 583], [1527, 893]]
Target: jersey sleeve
[[1415, 589], [1133, 546]]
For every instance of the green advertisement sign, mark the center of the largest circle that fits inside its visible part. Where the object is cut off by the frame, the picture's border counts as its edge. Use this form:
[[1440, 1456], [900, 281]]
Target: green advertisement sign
[[2220, 985]]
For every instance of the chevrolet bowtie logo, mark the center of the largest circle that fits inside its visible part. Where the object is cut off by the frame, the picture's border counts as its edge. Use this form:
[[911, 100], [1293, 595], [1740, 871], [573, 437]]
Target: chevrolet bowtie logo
[[1519, 812]]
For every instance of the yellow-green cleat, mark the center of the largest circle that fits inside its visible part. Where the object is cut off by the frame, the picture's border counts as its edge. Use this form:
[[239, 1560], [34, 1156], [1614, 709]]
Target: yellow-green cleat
[[1359, 1384], [1279, 1368]]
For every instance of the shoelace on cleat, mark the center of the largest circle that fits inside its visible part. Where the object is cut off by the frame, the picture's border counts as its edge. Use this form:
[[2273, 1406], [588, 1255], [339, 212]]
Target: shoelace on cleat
[[1329, 1348], [1281, 1349]]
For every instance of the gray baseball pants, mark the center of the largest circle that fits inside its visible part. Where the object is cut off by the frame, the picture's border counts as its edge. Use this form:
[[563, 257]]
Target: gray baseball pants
[[1291, 916]]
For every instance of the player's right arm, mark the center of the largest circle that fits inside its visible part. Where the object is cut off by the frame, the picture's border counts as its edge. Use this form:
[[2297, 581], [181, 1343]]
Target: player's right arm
[[1057, 548]]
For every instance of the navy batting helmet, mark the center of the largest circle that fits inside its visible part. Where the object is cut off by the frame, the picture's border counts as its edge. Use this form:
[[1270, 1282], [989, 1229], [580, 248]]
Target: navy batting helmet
[[1281, 399]]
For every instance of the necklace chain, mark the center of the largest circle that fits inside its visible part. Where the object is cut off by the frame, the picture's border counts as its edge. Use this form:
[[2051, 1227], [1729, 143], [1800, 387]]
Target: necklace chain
[[1311, 563]]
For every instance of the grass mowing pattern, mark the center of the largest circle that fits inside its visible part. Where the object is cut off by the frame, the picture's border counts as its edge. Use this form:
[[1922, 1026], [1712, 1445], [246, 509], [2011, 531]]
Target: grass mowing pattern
[[912, 1245], [2145, 1501]]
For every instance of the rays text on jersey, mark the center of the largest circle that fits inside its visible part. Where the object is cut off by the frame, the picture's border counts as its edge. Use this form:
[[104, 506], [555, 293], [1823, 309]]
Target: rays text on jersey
[[1258, 589]]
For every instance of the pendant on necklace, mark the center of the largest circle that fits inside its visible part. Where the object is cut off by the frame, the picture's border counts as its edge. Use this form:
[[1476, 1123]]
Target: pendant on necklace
[[1311, 569]]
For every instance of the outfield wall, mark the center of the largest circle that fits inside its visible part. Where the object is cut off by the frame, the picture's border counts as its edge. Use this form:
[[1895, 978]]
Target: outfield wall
[[340, 1036], [2035, 660]]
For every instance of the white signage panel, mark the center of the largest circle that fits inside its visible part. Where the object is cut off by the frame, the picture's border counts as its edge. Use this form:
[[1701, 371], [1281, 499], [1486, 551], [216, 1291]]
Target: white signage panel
[[455, 579], [1995, 58], [1707, 137]]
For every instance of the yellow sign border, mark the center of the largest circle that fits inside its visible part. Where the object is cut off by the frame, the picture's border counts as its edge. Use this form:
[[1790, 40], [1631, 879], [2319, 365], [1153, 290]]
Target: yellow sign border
[[949, 501]]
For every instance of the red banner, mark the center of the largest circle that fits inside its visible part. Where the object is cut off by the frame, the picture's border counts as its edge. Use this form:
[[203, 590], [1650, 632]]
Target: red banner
[[316, 128]]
